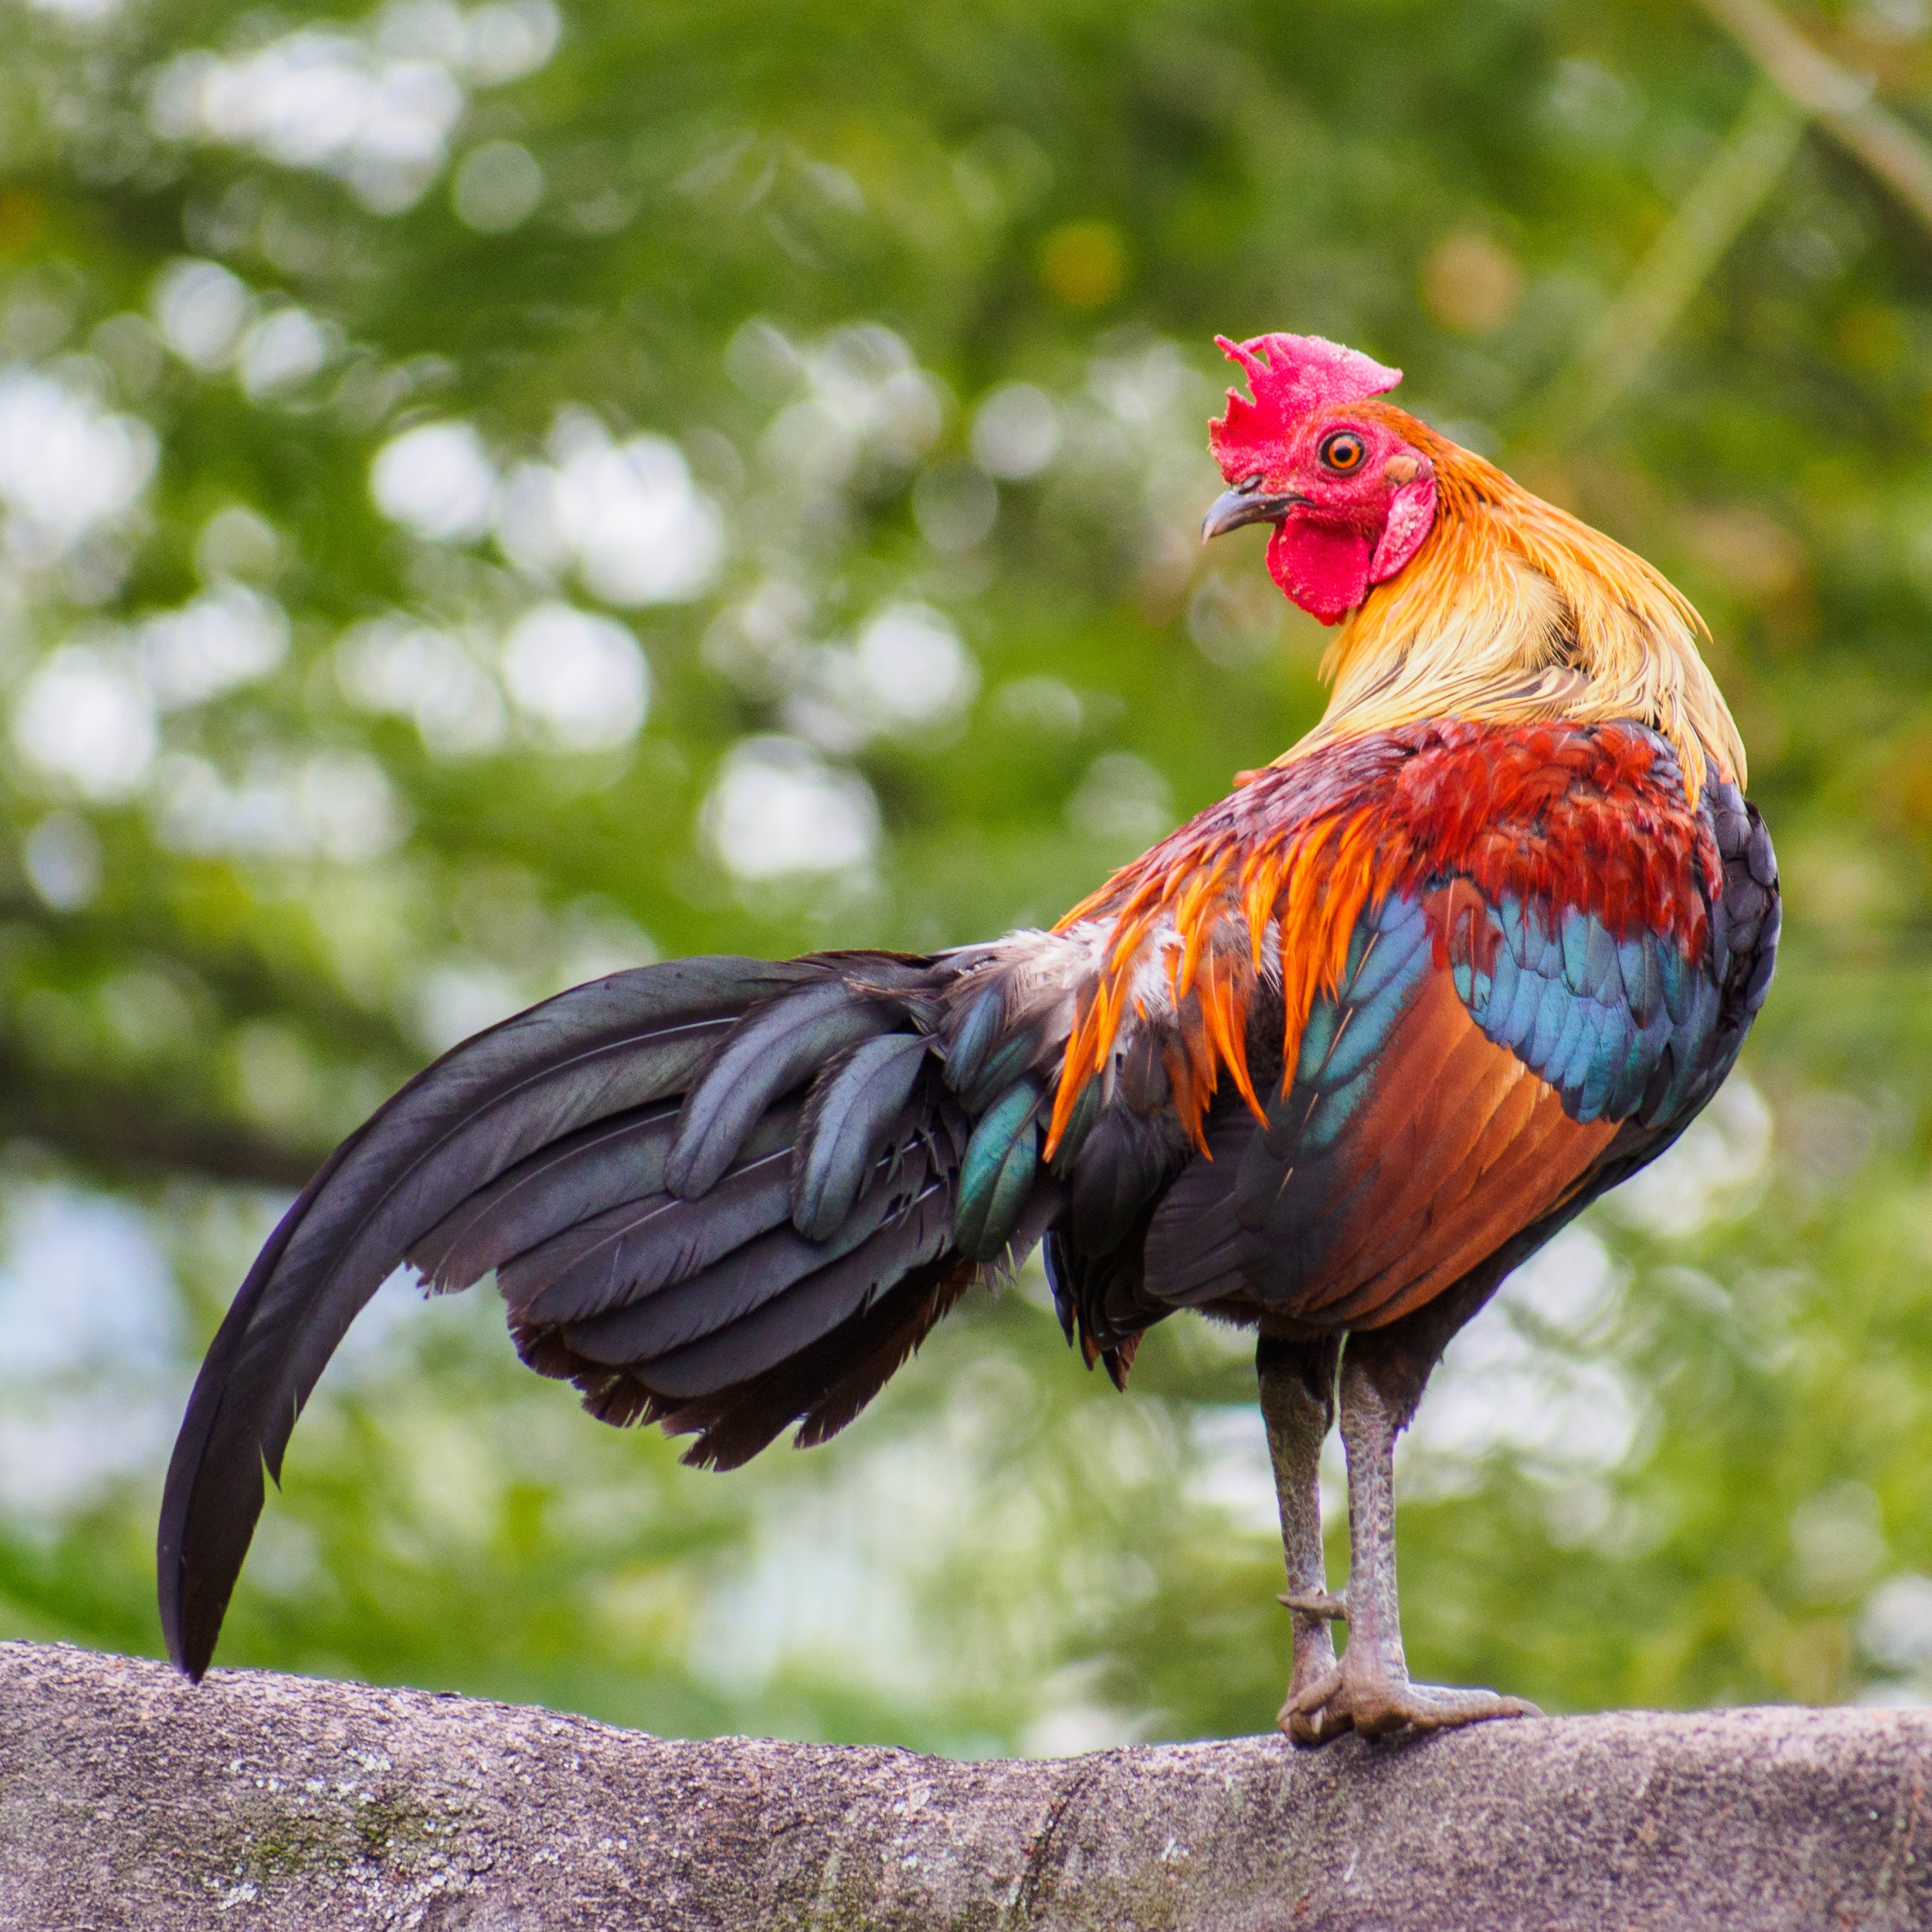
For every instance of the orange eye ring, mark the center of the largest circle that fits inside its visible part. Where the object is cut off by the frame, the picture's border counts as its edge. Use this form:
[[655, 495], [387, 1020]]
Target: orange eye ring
[[1343, 452]]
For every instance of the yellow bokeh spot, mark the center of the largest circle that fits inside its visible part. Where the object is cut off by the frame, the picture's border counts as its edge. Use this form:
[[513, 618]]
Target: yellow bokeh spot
[[1084, 262], [1472, 283]]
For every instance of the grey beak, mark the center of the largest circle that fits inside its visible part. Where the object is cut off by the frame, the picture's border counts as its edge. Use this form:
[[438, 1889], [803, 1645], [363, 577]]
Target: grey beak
[[1233, 507]]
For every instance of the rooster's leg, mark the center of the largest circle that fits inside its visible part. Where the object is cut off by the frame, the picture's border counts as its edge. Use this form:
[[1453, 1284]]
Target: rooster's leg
[[1370, 1689], [1297, 1390]]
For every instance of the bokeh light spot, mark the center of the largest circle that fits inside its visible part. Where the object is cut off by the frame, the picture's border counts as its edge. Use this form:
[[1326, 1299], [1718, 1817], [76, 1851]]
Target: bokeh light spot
[[497, 187], [777, 807], [85, 718], [437, 479], [584, 681], [1015, 432], [62, 857], [202, 309]]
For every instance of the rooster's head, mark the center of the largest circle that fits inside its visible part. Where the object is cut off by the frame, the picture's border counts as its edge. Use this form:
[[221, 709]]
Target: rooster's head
[[1350, 498]]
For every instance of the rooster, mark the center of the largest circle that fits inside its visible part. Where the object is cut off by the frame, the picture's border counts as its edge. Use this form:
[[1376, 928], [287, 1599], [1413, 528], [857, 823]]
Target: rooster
[[1327, 1062]]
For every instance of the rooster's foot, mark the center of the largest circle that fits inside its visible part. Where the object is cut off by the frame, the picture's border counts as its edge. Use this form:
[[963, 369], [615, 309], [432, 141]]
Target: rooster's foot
[[1372, 1702]]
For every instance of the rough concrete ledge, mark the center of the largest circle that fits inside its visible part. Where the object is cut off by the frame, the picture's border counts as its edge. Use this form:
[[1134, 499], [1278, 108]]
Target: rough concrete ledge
[[259, 1802]]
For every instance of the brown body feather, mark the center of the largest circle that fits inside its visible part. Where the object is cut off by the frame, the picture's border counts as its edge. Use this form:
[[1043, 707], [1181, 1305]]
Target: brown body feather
[[1461, 1145]]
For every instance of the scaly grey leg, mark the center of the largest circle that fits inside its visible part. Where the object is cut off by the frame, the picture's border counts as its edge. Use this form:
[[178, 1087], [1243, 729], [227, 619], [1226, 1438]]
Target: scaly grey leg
[[1370, 1689], [1297, 1394]]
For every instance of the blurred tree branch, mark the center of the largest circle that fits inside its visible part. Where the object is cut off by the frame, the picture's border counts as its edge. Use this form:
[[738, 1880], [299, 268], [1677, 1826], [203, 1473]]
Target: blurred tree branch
[[1798, 85], [113, 1126], [114, 1117], [1730, 191], [1840, 102]]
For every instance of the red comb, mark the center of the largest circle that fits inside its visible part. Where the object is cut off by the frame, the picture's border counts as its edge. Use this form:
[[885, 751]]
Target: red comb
[[1291, 376]]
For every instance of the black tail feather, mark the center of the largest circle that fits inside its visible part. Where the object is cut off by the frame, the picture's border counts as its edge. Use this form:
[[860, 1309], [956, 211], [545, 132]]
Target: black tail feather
[[755, 1271], [780, 1325], [854, 1111], [824, 1385], [598, 1050], [568, 1182], [878, 1343], [617, 1256], [770, 1052]]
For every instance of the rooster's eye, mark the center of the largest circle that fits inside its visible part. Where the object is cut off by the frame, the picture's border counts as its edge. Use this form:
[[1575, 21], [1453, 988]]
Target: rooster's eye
[[1343, 452]]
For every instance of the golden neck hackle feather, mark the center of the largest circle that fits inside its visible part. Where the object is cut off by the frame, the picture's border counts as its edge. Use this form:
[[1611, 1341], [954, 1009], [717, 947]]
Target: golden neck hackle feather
[[1513, 611]]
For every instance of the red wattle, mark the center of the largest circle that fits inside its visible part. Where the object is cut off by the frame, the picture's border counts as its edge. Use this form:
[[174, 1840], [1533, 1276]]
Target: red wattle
[[1322, 567]]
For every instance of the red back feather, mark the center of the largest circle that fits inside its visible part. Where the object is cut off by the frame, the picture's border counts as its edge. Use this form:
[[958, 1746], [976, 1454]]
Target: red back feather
[[1591, 816]]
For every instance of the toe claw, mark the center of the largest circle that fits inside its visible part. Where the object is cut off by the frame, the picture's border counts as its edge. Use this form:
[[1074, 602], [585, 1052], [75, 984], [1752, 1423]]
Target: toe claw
[[1304, 1717], [1309, 1728]]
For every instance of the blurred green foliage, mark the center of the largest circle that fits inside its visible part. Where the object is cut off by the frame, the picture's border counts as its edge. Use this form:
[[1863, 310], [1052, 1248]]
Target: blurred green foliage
[[706, 323]]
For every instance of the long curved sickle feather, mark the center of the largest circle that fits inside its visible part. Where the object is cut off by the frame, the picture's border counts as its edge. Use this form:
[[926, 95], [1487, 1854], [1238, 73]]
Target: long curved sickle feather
[[596, 1051]]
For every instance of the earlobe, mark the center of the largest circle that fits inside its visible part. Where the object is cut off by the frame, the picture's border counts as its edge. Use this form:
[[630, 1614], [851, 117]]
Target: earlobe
[[1412, 511]]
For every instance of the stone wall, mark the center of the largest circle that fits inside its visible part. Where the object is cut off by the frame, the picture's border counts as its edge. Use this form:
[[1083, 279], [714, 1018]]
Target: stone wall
[[129, 1799]]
